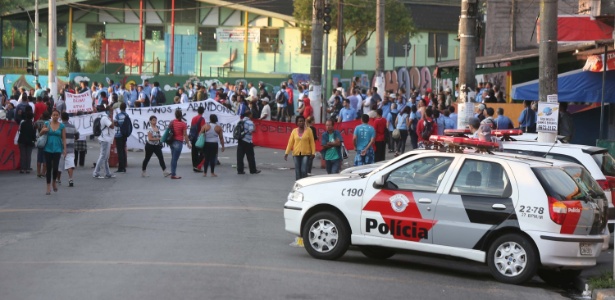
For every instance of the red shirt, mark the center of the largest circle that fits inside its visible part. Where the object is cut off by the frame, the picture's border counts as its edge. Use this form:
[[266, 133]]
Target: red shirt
[[39, 109], [289, 91], [179, 127], [421, 125], [380, 125], [195, 120]]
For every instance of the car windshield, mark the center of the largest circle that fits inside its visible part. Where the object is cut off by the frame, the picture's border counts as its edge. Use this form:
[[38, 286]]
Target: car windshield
[[606, 162], [571, 184]]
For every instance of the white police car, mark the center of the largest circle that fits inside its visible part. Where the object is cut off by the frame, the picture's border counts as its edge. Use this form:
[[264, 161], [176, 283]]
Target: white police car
[[519, 215]]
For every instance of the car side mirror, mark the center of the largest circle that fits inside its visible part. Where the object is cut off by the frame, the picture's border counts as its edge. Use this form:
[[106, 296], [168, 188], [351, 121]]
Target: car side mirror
[[379, 182]]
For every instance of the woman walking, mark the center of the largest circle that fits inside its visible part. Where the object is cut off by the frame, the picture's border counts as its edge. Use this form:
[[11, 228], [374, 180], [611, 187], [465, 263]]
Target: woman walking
[[153, 146], [402, 125], [301, 142], [40, 155], [213, 135], [56, 146], [27, 137], [178, 127]]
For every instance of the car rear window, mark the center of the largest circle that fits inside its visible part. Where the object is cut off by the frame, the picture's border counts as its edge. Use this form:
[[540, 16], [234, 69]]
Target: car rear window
[[606, 163], [571, 184]]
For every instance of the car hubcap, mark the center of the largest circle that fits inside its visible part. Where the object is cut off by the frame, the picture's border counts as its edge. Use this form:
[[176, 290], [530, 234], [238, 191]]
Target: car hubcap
[[323, 236], [510, 259]]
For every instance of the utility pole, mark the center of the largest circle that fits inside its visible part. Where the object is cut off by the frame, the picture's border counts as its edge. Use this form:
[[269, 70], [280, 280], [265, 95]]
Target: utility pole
[[316, 60], [467, 61], [339, 58], [547, 59], [52, 57], [37, 32], [380, 47]]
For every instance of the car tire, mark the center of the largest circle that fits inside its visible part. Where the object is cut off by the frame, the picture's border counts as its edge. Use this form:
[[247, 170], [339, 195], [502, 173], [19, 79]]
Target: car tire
[[558, 277], [326, 236], [512, 259], [375, 252]]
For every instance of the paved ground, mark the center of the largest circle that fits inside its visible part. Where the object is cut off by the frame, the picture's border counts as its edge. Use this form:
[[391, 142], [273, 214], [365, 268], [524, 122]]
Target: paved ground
[[202, 238]]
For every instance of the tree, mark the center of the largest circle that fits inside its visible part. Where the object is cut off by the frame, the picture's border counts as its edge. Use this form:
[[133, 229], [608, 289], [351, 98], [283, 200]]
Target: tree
[[72, 64], [360, 20], [7, 6]]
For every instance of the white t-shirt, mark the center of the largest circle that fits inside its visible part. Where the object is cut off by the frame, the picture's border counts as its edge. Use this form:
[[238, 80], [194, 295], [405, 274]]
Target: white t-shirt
[[108, 133], [266, 111], [366, 103]]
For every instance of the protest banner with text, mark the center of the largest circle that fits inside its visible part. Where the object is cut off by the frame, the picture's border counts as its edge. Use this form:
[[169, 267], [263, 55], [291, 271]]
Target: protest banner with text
[[78, 102]]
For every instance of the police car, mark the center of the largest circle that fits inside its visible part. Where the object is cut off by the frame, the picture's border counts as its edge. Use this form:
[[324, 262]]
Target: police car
[[520, 215]]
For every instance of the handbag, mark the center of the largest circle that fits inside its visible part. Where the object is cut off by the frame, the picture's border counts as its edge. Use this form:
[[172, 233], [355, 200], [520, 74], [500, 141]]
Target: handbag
[[200, 142], [344, 151], [167, 136], [41, 141], [396, 134]]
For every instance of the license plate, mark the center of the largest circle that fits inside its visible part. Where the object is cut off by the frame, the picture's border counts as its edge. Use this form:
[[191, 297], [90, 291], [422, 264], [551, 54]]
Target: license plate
[[586, 248]]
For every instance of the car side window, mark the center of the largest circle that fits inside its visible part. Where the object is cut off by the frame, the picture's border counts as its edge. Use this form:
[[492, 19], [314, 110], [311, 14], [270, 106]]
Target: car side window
[[482, 178], [561, 157], [424, 174]]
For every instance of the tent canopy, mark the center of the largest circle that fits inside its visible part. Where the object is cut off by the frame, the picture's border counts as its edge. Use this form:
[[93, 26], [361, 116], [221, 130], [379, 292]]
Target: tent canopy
[[573, 86]]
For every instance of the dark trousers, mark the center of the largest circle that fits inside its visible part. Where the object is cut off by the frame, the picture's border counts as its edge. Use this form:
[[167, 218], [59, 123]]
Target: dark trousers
[[210, 151], [25, 159], [414, 139], [197, 155], [401, 142], [80, 158], [245, 149], [389, 140], [120, 146], [380, 151], [153, 149], [52, 160]]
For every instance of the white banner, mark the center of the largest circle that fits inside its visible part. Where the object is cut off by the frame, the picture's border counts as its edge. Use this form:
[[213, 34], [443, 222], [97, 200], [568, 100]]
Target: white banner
[[237, 35], [78, 102], [139, 117]]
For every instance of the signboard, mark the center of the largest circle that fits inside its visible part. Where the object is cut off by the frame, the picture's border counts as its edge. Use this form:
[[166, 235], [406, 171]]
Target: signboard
[[78, 102], [548, 114], [225, 35], [595, 63], [464, 112]]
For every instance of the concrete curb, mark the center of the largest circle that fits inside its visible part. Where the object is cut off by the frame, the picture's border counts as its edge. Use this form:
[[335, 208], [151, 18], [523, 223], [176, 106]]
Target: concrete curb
[[603, 294]]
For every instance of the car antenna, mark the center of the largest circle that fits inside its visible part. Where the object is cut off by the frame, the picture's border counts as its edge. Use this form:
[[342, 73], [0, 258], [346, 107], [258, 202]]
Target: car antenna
[[553, 145]]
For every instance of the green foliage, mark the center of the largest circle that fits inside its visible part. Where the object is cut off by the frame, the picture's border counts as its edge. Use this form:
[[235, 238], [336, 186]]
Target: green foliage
[[359, 18], [72, 64], [14, 34], [94, 64], [11, 5], [604, 281]]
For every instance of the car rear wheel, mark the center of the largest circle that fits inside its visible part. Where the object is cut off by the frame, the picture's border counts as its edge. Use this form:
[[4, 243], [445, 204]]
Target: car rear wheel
[[558, 277], [326, 236], [377, 252], [512, 258]]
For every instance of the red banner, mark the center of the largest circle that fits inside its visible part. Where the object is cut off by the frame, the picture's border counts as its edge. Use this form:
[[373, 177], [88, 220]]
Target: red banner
[[271, 134], [121, 51], [595, 63], [9, 152]]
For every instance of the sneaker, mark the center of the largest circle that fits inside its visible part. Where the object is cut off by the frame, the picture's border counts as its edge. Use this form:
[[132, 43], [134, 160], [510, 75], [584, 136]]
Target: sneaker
[[70, 183], [144, 174], [197, 170], [99, 177], [110, 176], [59, 182], [166, 173], [176, 177], [257, 172]]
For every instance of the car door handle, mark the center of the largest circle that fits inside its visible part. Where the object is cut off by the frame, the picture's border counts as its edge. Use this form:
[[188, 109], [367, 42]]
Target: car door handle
[[424, 200], [499, 206]]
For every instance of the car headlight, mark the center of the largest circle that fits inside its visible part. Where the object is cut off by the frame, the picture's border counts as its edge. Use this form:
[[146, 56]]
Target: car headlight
[[294, 194]]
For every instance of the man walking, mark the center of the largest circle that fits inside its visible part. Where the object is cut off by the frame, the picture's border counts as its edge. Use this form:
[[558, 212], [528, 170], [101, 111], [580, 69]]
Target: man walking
[[245, 147], [105, 139], [120, 138], [380, 126], [196, 124], [363, 138], [331, 142]]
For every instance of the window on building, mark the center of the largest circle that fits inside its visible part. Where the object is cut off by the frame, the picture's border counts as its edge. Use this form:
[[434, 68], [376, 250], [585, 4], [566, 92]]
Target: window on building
[[207, 39], [395, 48], [361, 50], [154, 32], [438, 41], [62, 35], [185, 11], [92, 29], [306, 42], [270, 39]]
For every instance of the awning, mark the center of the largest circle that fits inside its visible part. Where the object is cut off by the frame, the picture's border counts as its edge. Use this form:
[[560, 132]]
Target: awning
[[579, 28], [573, 86]]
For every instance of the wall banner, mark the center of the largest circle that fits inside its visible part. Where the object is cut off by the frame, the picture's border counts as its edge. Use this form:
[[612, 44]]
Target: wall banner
[[275, 135]]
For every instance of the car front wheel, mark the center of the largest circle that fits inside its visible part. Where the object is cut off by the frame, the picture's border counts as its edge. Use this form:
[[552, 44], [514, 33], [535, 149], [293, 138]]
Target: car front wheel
[[512, 258], [326, 236]]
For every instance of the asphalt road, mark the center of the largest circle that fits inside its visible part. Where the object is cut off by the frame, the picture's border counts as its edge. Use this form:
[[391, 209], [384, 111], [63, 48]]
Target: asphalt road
[[200, 238]]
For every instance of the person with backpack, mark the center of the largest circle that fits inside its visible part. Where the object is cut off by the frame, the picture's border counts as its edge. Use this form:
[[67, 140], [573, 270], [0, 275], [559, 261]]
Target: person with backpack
[[281, 99], [196, 124], [426, 127], [123, 130], [104, 129], [245, 147], [402, 124]]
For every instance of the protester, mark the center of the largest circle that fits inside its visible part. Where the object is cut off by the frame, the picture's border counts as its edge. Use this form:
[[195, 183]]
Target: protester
[[153, 145], [331, 148], [380, 126], [422, 129], [54, 148], [81, 149], [527, 119], [245, 147], [68, 162], [363, 139], [179, 129], [27, 137], [105, 139], [41, 167], [213, 135], [402, 124], [120, 139], [196, 126], [301, 143], [347, 113], [391, 126], [266, 110]]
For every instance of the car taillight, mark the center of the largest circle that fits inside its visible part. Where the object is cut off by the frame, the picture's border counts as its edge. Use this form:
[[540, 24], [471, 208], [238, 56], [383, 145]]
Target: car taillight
[[557, 210], [607, 187]]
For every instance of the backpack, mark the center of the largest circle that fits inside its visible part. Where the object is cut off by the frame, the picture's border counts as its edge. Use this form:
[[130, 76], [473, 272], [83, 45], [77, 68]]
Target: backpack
[[426, 133], [238, 131], [160, 97], [194, 130], [281, 97], [97, 128], [126, 128]]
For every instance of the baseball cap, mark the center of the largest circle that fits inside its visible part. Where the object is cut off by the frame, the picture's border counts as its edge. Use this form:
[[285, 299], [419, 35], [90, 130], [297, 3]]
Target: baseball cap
[[265, 99]]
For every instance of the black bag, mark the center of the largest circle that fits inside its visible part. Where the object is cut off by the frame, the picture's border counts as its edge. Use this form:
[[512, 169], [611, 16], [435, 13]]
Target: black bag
[[97, 127], [194, 130], [281, 97], [238, 131], [126, 128], [160, 97], [426, 133], [169, 140]]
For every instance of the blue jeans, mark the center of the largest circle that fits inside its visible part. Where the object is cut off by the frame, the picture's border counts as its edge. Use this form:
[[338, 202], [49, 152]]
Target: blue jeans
[[301, 166], [176, 150], [333, 166], [103, 159]]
